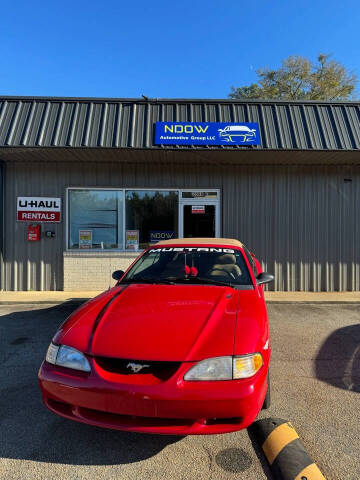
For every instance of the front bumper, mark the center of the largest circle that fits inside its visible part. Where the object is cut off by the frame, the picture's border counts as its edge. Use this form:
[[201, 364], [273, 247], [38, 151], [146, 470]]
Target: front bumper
[[172, 407]]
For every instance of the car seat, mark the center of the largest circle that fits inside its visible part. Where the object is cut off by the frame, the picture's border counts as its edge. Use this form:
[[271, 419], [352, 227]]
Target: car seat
[[225, 266]]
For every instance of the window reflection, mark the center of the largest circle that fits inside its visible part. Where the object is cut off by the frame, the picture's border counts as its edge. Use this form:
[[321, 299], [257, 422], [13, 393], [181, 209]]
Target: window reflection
[[154, 214], [96, 219]]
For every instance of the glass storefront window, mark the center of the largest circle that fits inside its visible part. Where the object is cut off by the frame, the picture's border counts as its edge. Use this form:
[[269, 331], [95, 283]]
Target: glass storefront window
[[95, 219], [154, 214], [120, 219]]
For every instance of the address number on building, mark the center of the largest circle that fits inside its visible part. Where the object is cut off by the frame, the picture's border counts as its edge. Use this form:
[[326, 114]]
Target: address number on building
[[38, 209]]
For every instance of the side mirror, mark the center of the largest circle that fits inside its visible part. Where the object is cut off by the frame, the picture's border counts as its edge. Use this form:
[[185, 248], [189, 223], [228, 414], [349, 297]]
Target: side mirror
[[117, 274], [264, 277]]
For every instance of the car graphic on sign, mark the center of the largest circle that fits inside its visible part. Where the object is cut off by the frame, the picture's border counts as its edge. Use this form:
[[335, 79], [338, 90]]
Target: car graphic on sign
[[231, 131]]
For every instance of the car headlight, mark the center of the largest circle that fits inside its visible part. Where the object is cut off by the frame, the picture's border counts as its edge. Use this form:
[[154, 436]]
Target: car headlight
[[225, 368], [67, 357], [218, 368]]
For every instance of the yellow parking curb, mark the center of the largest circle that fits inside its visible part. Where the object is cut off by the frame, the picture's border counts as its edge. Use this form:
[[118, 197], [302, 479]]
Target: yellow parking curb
[[284, 451], [311, 472], [277, 440]]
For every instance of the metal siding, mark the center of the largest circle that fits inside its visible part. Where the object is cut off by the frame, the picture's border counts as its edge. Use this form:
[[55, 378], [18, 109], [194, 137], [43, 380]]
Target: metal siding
[[5, 121], [268, 129], [314, 135], [301, 221], [212, 114], [124, 125], [327, 127], [284, 126], [236, 113], [168, 112], [39, 132], [80, 125], [129, 124], [353, 118], [182, 112], [299, 127], [19, 123], [73, 125], [92, 125], [106, 126], [343, 128]]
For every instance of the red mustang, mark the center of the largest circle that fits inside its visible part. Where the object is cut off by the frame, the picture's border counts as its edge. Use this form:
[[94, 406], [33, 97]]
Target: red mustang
[[179, 346]]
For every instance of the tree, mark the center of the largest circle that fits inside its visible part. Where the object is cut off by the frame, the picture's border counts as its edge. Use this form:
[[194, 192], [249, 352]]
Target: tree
[[300, 79]]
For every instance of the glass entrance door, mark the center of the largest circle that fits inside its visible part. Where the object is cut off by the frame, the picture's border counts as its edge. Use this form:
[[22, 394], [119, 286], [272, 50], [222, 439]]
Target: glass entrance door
[[199, 220], [199, 213]]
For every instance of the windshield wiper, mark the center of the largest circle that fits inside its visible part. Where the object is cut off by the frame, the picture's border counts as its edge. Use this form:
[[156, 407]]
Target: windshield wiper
[[147, 280], [174, 280], [138, 280], [199, 280], [212, 282]]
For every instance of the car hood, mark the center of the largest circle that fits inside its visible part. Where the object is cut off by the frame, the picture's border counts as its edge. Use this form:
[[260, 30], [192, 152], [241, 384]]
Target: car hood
[[159, 322]]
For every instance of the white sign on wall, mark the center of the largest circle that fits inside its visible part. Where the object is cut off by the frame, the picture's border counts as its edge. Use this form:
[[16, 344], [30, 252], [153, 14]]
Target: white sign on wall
[[38, 209], [198, 209]]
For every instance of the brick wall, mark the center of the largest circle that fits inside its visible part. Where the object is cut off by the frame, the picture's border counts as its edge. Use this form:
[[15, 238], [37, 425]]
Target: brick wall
[[92, 270]]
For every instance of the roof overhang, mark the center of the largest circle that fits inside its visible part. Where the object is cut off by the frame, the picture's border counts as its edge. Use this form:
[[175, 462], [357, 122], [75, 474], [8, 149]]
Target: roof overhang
[[203, 156]]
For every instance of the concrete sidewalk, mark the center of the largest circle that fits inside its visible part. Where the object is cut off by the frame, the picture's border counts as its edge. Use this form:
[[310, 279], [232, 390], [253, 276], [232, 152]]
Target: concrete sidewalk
[[7, 297]]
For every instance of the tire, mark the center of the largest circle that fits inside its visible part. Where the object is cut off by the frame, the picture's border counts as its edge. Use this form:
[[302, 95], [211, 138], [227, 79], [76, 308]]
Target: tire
[[267, 401]]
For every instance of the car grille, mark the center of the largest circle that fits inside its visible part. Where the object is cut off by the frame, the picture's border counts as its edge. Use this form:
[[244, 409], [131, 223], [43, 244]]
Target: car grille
[[160, 370]]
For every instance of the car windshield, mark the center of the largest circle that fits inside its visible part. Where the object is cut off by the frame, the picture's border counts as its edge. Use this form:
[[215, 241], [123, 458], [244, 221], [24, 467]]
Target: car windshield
[[195, 265]]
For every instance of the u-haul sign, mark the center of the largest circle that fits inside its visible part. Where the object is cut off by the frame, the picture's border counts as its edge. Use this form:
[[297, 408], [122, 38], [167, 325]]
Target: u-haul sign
[[38, 209]]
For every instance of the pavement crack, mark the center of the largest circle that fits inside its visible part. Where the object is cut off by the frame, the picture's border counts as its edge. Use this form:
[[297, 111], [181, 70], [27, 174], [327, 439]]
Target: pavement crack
[[208, 453]]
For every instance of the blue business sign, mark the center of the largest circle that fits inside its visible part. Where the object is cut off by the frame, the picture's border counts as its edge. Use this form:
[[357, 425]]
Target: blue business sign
[[206, 133]]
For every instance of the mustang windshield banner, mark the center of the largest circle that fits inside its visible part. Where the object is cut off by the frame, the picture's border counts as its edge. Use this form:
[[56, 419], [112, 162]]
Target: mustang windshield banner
[[206, 133]]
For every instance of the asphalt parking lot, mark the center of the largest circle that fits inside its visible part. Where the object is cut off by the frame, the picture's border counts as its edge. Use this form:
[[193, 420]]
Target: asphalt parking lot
[[315, 373]]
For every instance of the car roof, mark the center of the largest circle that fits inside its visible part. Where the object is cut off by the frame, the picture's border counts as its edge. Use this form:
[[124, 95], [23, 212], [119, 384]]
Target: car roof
[[202, 241]]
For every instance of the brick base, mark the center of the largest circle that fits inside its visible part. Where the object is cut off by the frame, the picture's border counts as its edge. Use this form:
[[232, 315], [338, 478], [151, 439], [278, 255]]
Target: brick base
[[92, 271]]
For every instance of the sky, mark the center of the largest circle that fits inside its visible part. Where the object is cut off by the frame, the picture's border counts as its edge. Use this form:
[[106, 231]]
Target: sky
[[164, 49]]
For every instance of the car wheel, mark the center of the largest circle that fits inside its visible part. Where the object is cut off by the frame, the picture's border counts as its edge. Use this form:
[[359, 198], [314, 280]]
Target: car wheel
[[267, 401]]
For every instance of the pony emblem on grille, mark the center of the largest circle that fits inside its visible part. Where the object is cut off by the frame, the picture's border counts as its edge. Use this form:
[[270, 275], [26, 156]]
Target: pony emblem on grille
[[136, 367]]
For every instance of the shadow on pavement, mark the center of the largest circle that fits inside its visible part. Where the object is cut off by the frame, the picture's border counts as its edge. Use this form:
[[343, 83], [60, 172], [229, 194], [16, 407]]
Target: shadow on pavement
[[338, 360], [28, 430], [260, 454]]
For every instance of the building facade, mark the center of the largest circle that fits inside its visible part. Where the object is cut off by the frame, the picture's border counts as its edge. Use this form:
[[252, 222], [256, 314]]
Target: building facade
[[293, 199]]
